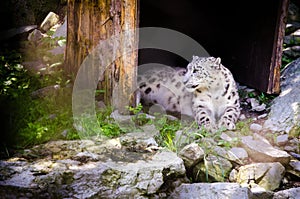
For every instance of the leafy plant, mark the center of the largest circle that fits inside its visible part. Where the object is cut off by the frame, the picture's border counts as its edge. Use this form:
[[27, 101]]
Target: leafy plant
[[167, 129], [139, 117]]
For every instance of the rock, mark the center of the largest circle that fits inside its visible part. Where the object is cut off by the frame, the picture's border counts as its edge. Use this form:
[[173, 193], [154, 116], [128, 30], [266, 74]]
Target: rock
[[293, 52], [89, 169], [255, 105], [295, 168], [282, 139], [292, 39], [293, 193], [262, 116], [141, 141], [50, 20], [226, 137], [255, 127], [191, 154], [233, 175], [16, 31], [237, 154], [212, 169], [293, 12], [284, 115], [61, 31], [291, 27], [257, 194], [46, 91], [35, 66], [295, 155], [262, 151], [265, 175], [183, 138], [242, 117], [213, 190], [35, 36], [59, 50]]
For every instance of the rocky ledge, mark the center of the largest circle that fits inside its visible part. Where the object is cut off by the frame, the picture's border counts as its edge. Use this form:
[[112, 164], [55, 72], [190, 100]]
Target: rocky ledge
[[133, 166]]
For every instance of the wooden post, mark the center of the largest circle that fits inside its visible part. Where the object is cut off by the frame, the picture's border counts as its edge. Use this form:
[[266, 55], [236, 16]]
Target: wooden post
[[274, 79], [90, 22]]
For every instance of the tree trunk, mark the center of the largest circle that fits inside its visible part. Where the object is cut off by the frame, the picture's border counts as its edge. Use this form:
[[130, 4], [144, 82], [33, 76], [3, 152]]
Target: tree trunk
[[92, 23]]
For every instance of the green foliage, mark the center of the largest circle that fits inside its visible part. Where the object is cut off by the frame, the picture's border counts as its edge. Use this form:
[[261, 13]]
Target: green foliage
[[167, 129], [263, 98], [27, 121], [41, 120], [139, 118], [14, 79], [108, 126], [243, 127]]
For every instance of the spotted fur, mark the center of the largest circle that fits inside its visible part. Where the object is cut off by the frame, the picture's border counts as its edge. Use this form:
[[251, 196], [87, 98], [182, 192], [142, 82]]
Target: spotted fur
[[215, 100], [205, 91]]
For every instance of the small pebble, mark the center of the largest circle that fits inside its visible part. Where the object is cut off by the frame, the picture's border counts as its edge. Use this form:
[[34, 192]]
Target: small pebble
[[255, 127], [242, 117], [262, 116]]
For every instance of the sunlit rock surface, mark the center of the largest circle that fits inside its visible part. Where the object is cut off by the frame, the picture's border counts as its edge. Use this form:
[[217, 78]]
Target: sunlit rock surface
[[285, 110], [89, 169]]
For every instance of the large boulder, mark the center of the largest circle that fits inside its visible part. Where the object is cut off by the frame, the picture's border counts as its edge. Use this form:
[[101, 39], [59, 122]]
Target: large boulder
[[89, 169], [265, 175], [285, 109]]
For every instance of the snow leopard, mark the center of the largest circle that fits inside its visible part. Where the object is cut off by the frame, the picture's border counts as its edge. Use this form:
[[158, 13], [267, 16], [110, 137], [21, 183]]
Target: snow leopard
[[205, 90]]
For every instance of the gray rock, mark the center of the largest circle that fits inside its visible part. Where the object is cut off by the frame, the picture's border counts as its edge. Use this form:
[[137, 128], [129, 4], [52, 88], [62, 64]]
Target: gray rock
[[291, 27], [282, 139], [35, 35], [293, 193], [237, 154], [293, 51], [61, 31], [35, 66], [16, 31], [211, 191], [293, 12], [141, 141], [233, 175], [295, 168], [255, 127], [262, 194], [50, 20], [255, 105], [46, 91], [191, 154], [262, 151], [213, 169], [292, 39], [265, 175], [89, 169], [59, 50], [284, 115]]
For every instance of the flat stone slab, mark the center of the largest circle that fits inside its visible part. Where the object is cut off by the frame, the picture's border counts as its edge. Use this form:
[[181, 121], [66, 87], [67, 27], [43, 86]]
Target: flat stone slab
[[262, 151], [293, 193], [211, 190]]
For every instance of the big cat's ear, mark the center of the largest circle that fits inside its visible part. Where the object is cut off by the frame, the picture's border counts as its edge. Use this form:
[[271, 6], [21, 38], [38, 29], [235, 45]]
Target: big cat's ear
[[218, 61], [195, 57]]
